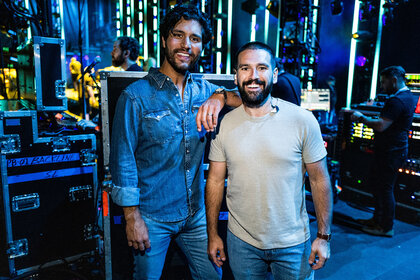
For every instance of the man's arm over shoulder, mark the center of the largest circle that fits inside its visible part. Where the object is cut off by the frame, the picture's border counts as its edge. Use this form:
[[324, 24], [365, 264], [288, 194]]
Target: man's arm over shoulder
[[322, 198], [208, 112]]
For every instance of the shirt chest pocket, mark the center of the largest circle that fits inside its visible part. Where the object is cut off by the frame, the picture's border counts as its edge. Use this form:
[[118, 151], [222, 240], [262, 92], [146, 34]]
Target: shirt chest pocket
[[196, 106], [160, 125]]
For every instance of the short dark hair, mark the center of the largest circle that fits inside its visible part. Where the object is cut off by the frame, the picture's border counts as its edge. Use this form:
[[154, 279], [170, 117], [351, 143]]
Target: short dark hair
[[187, 12], [129, 44], [256, 46], [394, 71]]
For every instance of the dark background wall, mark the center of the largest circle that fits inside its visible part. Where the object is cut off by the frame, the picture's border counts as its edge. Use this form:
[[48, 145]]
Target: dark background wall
[[334, 38], [401, 38]]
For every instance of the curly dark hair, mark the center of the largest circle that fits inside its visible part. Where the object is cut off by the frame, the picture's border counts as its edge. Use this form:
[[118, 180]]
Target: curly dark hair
[[188, 12], [394, 71], [129, 44]]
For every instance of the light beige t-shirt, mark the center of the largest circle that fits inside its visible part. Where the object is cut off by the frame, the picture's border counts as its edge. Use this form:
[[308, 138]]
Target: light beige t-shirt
[[265, 158]]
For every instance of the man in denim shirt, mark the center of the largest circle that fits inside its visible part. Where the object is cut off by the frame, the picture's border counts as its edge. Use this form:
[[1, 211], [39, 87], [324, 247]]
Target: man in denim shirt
[[156, 151]]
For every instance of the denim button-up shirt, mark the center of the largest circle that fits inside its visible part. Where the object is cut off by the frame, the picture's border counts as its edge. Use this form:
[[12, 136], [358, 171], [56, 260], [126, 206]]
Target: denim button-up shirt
[[156, 150]]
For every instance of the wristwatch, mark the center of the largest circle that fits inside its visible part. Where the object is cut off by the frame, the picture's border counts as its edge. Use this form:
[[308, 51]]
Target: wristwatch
[[324, 236], [221, 91]]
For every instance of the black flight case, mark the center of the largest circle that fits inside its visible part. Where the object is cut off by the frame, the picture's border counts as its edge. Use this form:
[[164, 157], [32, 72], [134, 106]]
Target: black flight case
[[48, 196]]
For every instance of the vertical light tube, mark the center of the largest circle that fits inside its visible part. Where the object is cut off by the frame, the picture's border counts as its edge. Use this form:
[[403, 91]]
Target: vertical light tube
[[352, 53], [377, 52], [219, 39], [117, 22], [278, 31], [140, 21], [305, 30], [314, 21], [253, 23], [229, 38], [119, 18], [63, 36], [158, 36], [203, 6], [128, 18], [266, 21], [29, 26], [132, 18], [145, 34]]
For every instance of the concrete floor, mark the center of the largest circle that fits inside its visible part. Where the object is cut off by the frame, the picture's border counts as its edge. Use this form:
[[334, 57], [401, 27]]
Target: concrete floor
[[356, 255]]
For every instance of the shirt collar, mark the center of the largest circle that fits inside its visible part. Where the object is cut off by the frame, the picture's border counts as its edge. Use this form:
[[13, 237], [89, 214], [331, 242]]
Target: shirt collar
[[160, 78], [401, 89]]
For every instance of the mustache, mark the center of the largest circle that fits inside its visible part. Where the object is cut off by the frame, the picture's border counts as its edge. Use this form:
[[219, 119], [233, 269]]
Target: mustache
[[182, 50], [257, 81]]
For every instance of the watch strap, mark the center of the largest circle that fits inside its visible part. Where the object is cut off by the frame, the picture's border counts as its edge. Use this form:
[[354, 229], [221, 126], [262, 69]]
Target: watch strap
[[221, 91], [326, 237]]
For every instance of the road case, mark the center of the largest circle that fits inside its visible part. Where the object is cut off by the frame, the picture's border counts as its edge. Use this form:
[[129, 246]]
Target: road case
[[42, 69], [48, 203]]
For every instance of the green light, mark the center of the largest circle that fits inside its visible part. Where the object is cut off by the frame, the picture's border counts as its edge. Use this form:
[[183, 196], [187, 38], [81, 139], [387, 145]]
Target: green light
[[229, 37], [6, 49], [352, 53], [146, 43], [266, 21], [377, 51], [359, 181]]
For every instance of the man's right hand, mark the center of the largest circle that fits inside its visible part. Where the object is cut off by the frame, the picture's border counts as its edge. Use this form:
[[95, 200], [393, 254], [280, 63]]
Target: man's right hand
[[215, 250], [136, 229]]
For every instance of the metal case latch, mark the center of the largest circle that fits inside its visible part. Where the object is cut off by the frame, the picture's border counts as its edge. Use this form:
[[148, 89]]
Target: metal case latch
[[25, 202], [17, 248], [80, 193], [60, 89], [89, 231], [10, 144], [60, 144], [88, 157]]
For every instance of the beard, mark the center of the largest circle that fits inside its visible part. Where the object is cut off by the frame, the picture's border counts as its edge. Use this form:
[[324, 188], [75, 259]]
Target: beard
[[117, 61], [258, 99], [182, 69]]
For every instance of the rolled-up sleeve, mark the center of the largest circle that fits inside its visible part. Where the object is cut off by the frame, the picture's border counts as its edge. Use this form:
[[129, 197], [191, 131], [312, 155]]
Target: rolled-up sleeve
[[124, 141]]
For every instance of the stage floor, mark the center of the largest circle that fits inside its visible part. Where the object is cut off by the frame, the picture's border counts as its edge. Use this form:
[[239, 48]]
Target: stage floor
[[356, 255]]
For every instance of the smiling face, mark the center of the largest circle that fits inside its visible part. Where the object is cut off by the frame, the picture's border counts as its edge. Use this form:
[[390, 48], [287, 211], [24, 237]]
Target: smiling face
[[184, 45], [255, 76]]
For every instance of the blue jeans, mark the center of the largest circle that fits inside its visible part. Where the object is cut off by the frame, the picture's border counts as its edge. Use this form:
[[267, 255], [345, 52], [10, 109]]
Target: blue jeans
[[248, 262], [191, 237]]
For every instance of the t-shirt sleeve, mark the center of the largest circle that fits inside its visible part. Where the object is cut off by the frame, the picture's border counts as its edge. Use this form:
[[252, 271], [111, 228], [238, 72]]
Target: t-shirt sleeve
[[313, 144], [392, 109], [217, 152]]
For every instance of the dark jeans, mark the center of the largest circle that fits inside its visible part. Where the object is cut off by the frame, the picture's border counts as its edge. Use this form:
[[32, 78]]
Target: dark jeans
[[384, 175]]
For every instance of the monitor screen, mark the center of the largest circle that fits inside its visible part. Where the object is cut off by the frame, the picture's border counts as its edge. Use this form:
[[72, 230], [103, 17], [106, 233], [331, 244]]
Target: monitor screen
[[315, 99]]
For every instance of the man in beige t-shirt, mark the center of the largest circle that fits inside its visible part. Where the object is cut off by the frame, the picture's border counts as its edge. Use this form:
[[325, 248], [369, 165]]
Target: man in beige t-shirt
[[267, 145]]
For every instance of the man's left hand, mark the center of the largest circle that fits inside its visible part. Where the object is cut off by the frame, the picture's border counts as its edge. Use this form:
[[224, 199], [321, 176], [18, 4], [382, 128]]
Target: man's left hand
[[209, 112], [356, 115], [321, 249]]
